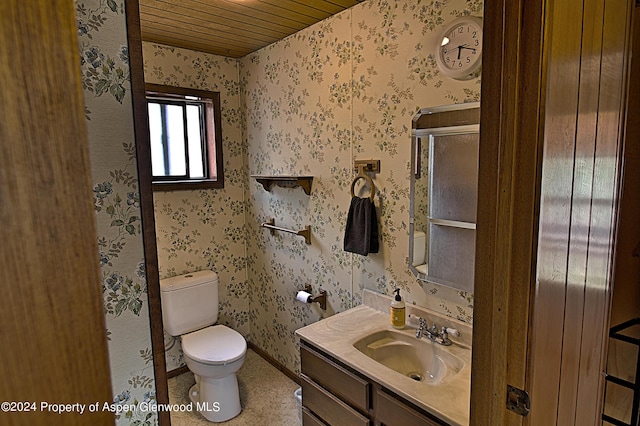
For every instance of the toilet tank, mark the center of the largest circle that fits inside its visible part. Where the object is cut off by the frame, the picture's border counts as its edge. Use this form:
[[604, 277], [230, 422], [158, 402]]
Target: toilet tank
[[419, 248], [189, 302]]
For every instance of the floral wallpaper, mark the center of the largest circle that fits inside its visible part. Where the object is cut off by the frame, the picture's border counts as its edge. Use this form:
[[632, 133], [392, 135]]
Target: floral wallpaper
[[107, 92], [204, 229], [343, 89], [346, 88]]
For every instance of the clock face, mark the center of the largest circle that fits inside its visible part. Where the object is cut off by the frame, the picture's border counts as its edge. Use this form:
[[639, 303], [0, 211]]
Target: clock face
[[460, 50]]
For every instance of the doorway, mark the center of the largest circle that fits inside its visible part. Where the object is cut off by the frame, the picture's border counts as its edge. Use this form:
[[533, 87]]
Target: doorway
[[498, 321], [553, 129]]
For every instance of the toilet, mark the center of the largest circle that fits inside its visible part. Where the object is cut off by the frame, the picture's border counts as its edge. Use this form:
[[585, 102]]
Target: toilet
[[214, 353], [419, 247], [420, 251]]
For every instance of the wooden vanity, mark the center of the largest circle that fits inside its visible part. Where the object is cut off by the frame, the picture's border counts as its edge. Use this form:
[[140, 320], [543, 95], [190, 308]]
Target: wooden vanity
[[341, 385], [334, 394]]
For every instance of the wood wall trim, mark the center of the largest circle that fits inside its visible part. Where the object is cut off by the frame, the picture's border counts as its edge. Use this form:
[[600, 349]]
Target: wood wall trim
[[584, 117], [509, 168], [529, 98], [143, 154], [262, 354], [271, 360], [626, 297], [177, 372]]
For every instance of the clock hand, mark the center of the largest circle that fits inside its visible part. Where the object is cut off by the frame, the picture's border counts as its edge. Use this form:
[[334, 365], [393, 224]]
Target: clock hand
[[459, 50], [464, 46]]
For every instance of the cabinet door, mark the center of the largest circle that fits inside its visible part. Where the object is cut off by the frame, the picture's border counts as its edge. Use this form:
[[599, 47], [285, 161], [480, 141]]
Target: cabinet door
[[392, 412], [453, 198]]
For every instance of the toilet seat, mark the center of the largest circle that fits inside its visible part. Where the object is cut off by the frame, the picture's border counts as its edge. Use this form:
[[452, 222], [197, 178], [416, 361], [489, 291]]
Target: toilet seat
[[215, 345]]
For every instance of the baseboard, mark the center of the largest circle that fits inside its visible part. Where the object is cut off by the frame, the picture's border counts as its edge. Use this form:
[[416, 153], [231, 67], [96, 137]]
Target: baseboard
[[184, 369], [275, 363], [178, 371]]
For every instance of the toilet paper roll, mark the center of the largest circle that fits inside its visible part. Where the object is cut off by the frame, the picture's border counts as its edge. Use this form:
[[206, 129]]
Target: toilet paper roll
[[304, 297]]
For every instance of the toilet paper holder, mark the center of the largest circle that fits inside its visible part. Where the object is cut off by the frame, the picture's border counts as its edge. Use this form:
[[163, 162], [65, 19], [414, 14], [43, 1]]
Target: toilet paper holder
[[321, 299]]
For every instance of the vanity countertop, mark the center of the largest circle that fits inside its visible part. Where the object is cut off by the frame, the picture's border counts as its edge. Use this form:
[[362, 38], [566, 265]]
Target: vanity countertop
[[449, 401]]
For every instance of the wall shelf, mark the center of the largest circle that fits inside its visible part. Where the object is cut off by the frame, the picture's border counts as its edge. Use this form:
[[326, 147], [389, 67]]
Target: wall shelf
[[285, 181]]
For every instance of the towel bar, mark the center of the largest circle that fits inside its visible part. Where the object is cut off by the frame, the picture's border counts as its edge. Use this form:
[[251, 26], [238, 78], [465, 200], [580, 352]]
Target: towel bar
[[305, 233]]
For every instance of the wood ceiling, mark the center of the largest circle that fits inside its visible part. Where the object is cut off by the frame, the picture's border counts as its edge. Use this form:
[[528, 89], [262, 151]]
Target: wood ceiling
[[231, 28]]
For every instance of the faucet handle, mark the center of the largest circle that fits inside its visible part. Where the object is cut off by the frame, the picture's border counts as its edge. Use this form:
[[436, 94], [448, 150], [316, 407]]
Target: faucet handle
[[422, 324], [453, 331], [444, 336], [414, 319]]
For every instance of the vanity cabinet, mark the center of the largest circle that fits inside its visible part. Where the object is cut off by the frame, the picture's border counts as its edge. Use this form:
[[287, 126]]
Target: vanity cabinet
[[336, 395]]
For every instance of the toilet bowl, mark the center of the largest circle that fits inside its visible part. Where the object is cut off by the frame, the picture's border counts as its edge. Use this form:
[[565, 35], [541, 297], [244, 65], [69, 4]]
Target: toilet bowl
[[213, 353], [214, 365]]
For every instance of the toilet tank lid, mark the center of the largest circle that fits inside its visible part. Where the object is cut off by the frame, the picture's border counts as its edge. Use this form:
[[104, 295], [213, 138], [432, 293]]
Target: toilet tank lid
[[187, 280]]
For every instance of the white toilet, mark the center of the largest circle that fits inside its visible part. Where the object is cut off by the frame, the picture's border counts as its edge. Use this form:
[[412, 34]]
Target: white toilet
[[214, 353], [420, 251]]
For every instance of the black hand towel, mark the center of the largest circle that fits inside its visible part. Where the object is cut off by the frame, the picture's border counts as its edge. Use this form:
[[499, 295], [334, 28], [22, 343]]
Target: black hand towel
[[361, 233]]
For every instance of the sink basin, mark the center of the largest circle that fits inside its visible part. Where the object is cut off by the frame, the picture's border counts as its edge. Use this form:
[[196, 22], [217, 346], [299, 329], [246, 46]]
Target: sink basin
[[419, 359]]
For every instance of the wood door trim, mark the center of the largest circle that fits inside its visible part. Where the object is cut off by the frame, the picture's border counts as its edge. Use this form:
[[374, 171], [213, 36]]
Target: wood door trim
[[510, 146], [143, 155]]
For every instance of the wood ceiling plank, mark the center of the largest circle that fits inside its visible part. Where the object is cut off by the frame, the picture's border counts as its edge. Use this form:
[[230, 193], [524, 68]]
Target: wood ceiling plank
[[197, 46], [243, 33], [230, 28], [222, 10], [276, 10], [200, 13], [343, 3], [199, 18], [316, 8], [221, 39], [293, 9]]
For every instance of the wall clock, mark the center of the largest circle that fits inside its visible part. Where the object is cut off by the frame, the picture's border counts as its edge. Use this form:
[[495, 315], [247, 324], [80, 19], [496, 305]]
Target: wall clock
[[459, 50]]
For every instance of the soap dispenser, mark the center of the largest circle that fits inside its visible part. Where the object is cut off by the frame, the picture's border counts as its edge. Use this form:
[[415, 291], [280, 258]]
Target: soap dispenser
[[397, 311]]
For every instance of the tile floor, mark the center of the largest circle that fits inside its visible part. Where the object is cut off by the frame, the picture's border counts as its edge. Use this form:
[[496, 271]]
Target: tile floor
[[266, 396]]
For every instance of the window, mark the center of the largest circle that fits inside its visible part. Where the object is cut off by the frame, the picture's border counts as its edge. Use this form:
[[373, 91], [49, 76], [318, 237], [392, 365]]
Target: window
[[185, 138]]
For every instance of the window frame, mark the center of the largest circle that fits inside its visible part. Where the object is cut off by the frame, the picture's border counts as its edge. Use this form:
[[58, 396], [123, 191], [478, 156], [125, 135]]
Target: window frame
[[213, 133]]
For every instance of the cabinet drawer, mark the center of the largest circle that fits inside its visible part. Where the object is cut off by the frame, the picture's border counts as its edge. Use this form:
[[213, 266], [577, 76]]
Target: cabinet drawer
[[308, 419], [340, 382], [329, 408], [392, 412]]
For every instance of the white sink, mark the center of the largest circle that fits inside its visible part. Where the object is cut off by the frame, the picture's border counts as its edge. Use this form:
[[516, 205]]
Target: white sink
[[419, 359]]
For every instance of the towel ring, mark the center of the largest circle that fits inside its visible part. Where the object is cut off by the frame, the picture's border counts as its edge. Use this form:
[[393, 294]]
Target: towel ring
[[363, 175]]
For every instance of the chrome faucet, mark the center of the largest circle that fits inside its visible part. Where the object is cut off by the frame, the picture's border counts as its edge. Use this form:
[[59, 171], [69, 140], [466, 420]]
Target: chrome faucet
[[422, 326], [441, 337]]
